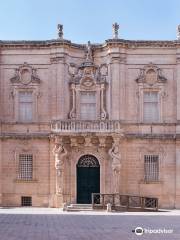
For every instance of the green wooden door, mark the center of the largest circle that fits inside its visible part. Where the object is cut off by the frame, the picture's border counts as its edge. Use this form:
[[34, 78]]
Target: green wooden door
[[88, 178]]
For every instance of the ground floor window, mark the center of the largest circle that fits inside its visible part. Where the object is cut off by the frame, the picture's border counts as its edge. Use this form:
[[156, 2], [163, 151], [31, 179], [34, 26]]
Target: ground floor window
[[26, 201], [25, 167], [151, 168]]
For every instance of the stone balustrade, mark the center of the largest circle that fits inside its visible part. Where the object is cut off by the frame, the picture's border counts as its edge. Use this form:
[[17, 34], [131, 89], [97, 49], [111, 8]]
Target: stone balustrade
[[68, 126]]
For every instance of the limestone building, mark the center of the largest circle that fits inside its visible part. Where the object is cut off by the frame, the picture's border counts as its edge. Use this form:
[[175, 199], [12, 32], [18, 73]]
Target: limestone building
[[83, 118]]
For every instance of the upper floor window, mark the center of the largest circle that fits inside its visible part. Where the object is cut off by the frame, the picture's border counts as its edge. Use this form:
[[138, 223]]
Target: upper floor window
[[88, 105], [25, 170], [151, 107], [25, 106], [151, 94], [151, 168]]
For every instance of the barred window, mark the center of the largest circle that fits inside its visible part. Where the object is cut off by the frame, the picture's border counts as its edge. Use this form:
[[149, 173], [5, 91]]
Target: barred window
[[88, 106], [26, 201], [25, 106], [25, 166], [151, 107], [151, 168]]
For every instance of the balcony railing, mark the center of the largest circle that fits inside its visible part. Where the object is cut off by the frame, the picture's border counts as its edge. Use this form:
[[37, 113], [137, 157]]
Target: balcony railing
[[68, 126], [126, 202]]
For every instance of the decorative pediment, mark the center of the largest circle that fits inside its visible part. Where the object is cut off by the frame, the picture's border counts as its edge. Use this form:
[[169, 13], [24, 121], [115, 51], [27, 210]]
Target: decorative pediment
[[87, 74], [88, 78], [25, 75], [151, 75]]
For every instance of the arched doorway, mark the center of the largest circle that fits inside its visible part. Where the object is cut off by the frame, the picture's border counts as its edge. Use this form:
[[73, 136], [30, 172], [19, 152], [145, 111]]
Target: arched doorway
[[88, 178]]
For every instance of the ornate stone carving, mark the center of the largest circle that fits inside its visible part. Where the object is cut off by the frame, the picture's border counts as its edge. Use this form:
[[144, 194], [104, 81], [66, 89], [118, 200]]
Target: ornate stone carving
[[102, 142], [116, 165], [60, 31], [59, 152], [115, 28], [88, 161], [88, 142], [25, 75], [151, 75], [88, 77]]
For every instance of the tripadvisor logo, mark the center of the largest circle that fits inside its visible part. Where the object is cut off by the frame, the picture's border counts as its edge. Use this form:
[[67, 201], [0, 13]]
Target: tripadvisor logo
[[138, 231]]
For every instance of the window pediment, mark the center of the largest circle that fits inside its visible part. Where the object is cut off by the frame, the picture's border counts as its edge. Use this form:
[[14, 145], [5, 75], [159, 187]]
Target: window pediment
[[25, 75], [88, 77], [151, 75]]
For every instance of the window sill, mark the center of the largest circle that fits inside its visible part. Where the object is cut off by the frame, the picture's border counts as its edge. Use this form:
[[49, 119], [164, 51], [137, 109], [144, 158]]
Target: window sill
[[150, 182], [25, 181]]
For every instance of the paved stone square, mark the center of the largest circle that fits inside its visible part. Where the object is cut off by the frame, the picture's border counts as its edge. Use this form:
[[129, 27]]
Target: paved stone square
[[53, 224]]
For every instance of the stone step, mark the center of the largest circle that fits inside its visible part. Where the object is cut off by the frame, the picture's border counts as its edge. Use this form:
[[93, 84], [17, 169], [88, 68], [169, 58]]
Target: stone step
[[79, 207]]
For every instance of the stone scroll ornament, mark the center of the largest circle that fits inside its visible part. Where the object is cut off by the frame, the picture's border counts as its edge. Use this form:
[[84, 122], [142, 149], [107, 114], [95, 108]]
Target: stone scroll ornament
[[116, 166], [59, 152]]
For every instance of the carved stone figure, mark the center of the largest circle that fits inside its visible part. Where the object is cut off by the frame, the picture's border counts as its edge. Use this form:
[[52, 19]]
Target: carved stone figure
[[115, 28], [60, 31], [116, 165], [59, 152], [89, 51]]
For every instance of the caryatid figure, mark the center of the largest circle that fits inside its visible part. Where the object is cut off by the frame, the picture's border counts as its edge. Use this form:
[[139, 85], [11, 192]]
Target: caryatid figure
[[116, 165], [59, 152]]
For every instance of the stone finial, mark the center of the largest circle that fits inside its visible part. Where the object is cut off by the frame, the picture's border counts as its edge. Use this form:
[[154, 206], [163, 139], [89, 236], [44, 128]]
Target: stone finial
[[115, 28], [60, 31], [178, 32]]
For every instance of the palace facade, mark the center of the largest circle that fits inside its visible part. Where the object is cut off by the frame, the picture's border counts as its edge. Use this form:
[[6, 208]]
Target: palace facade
[[83, 118]]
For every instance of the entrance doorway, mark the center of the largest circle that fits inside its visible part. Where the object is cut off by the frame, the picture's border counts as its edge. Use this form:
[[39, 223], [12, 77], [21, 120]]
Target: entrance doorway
[[88, 178]]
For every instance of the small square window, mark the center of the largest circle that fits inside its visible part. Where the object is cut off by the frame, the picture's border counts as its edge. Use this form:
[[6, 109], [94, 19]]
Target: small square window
[[26, 201]]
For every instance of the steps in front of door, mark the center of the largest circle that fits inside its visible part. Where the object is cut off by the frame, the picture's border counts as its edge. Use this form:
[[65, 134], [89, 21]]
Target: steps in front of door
[[79, 207]]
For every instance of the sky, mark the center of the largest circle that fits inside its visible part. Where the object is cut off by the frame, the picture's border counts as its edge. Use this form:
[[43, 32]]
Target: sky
[[85, 20]]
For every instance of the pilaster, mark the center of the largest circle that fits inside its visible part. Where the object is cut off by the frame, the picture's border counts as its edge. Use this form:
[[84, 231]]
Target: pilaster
[[118, 77], [1, 177], [178, 82], [58, 87], [177, 176]]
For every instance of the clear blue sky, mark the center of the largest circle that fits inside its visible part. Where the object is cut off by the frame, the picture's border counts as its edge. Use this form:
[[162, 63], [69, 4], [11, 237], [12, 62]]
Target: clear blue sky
[[85, 20]]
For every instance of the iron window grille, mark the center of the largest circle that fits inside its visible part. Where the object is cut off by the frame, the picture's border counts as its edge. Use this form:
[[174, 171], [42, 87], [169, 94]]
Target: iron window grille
[[151, 168], [25, 167], [26, 201]]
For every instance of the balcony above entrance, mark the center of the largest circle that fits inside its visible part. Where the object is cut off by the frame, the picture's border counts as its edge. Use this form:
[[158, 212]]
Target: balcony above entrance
[[84, 126]]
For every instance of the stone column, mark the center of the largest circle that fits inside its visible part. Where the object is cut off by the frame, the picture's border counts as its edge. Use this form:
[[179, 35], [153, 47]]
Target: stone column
[[58, 87]]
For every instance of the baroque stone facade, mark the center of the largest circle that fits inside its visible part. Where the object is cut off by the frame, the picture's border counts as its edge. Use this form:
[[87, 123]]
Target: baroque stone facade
[[116, 102]]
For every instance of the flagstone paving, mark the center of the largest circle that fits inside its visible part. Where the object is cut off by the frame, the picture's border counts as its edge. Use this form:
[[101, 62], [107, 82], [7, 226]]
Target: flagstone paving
[[53, 224]]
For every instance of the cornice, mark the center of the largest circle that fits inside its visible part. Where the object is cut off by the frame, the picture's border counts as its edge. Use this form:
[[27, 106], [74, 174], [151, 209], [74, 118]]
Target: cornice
[[109, 42]]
